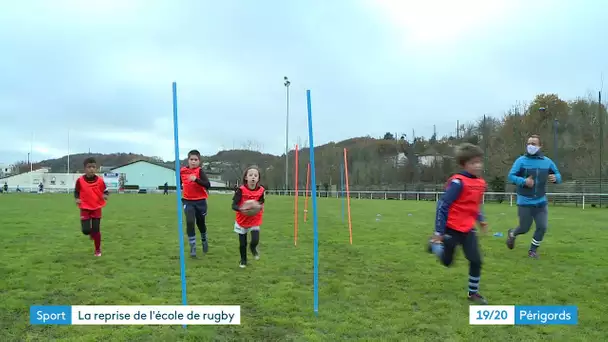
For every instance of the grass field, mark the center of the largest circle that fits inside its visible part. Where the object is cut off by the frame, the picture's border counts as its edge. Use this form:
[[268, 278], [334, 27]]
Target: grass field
[[383, 287]]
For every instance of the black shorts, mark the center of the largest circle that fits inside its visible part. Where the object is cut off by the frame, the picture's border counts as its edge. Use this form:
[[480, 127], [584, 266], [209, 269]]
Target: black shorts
[[198, 207]]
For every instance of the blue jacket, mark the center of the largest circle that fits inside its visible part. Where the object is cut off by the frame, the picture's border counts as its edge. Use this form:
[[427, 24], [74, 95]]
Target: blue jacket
[[539, 167]]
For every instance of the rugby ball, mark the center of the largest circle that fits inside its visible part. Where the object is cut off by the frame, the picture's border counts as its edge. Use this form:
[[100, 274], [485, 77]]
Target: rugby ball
[[251, 207]]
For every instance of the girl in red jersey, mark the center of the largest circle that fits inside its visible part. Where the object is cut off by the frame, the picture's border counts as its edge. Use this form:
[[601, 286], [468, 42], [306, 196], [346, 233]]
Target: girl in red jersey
[[91, 195], [248, 219]]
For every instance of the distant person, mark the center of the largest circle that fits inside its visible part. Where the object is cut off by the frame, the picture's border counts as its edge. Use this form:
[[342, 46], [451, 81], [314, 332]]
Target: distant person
[[530, 174], [195, 185], [248, 216], [40, 188], [91, 195], [18, 189], [166, 189], [457, 212], [5, 187]]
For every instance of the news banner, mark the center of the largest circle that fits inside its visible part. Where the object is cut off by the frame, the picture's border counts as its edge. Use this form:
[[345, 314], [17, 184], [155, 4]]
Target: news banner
[[522, 315], [136, 315]]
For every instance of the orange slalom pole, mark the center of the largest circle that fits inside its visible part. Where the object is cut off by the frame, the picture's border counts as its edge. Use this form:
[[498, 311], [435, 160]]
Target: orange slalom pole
[[350, 225], [295, 212], [306, 193]]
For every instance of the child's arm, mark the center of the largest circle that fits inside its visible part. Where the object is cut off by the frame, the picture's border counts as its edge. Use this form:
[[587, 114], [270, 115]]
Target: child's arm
[[202, 179], [236, 199], [443, 205], [77, 191], [105, 191], [262, 199]]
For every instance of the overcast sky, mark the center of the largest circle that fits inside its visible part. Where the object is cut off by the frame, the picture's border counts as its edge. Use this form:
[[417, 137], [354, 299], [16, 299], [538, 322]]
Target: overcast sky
[[102, 70]]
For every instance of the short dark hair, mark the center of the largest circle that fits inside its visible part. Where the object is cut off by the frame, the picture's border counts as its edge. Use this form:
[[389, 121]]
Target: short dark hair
[[252, 167], [536, 136], [465, 152], [89, 160], [194, 153]]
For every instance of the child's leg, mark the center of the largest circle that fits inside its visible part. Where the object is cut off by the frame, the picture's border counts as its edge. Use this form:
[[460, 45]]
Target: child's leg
[[471, 251], [190, 211], [243, 248], [86, 226], [200, 213], [255, 239], [96, 234], [445, 251]]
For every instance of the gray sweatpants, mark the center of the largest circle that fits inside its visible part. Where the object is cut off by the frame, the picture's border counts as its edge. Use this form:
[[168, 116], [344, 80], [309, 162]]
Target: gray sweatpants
[[527, 215]]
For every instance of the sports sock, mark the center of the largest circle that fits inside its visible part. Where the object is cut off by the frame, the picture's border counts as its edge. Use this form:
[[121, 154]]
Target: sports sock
[[534, 245], [473, 285], [192, 240], [97, 240]]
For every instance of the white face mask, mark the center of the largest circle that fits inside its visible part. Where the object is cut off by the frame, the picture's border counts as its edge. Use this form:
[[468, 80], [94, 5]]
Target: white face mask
[[532, 150]]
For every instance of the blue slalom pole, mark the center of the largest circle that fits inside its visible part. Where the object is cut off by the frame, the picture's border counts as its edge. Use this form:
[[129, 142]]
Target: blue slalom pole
[[180, 222], [342, 188], [315, 221]]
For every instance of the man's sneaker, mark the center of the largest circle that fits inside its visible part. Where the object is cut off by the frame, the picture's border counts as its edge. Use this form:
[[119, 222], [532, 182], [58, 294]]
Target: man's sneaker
[[193, 250], [205, 246], [97, 253], [243, 264], [429, 247], [256, 254], [477, 299], [510, 239], [532, 254]]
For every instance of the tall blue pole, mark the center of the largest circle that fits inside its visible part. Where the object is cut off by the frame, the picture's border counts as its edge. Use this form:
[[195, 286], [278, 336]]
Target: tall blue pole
[[555, 147], [342, 188], [315, 221], [180, 222]]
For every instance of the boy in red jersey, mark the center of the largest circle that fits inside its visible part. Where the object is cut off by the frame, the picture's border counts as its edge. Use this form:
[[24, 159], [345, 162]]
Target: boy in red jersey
[[457, 212], [91, 195], [248, 220], [195, 183]]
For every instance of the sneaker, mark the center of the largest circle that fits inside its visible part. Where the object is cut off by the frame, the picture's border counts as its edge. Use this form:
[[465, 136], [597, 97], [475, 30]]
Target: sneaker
[[510, 239], [429, 247], [193, 250], [477, 299], [98, 253], [256, 254], [243, 264], [205, 246], [532, 254]]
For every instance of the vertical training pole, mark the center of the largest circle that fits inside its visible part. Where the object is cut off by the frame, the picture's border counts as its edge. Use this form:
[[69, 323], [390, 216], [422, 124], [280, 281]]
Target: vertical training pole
[[315, 221], [306, 193], [350, 225], [342, 188], [180, 222], [295, 199]]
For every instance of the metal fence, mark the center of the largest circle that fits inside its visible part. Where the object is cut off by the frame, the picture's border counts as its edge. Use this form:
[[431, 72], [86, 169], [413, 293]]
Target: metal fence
[[582, 200]]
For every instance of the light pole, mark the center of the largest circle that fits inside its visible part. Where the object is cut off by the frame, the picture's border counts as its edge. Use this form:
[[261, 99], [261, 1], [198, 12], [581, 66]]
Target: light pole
[[287, 84]]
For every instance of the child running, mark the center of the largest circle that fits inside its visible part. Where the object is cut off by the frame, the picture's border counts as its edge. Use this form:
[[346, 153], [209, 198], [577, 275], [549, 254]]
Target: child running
[[195, 184], [457, 212], [91, 195], [249, 219]]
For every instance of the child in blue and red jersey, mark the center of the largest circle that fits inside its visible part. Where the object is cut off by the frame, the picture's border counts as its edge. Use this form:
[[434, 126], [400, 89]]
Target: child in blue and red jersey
[[195, 184], [457, 212]]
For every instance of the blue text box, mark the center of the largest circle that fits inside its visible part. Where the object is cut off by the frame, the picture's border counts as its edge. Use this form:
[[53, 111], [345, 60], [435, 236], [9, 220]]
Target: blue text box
[[52, 314], [546, 315]]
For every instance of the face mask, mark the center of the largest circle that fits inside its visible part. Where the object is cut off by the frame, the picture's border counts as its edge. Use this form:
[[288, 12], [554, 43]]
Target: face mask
[[531, 149]]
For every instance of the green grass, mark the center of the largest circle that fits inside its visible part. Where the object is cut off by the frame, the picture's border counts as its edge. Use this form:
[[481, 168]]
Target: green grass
[[383, 287]]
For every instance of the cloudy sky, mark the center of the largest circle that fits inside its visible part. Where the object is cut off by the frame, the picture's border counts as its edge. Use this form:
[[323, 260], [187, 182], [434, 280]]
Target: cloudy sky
[[102, 69]]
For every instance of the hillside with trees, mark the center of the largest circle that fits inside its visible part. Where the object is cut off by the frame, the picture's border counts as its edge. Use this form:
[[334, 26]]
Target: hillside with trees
[[571, 133]]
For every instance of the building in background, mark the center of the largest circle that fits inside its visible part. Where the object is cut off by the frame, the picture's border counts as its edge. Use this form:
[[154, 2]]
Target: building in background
[[7, 170], [146, 175]]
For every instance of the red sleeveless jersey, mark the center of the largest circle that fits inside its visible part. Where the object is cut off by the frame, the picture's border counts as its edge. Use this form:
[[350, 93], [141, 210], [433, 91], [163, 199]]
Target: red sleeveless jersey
[[464, 211], [247, 194], [192, 191], [91, 193]]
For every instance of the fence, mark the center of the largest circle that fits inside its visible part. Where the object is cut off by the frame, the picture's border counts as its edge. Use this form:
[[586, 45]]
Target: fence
[[582, 200]]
